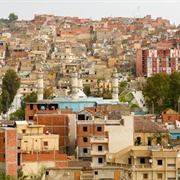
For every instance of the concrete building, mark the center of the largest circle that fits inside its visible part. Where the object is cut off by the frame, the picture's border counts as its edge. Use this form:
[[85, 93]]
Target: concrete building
[[148, 133], [99, 132], [34, 139], [38, 149], [146, 163], [152, 61], [10, 156]]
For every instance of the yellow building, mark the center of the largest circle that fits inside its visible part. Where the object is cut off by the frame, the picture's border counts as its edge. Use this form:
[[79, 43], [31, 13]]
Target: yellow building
[[33, 138], [142, 162], [148, 133]]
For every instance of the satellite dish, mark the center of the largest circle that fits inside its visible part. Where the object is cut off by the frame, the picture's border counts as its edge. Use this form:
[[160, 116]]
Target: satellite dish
[[110, 157]]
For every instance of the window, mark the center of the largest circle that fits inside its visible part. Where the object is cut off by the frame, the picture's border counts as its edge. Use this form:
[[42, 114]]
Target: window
[[99, 128], [145, 176], [23, 131], [170, 165], [85, 139], [129, 161], [149, 141], [159, 176], [85, 150], [45, 143], [138, 141], [96, 172], [158, 140], [31, 106], [30, 117], [169, 117], [85, 128], [100, 160], [142, 160], [159, 162], [100, 148]]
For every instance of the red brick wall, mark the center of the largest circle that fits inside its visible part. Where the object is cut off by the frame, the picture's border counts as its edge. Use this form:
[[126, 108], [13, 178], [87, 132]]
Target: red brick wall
[[61, 159], [29, 157], [11, 137], [139, 63], [91, 131], [61, 164], [11, 152], [170, 117], [19, 54], [12, 169], [81, 143], [2, 142]]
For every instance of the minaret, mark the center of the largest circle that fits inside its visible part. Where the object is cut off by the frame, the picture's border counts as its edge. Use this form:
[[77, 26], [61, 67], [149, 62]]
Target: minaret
[[40, 85], [74, 84], [80, 81], [115, 84]]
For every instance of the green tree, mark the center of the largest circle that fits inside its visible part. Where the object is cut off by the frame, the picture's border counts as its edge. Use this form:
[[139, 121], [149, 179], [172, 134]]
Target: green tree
[[156, 91], [122, 86], [1, 107], [12, 17], [10, 86], [21, 175], [3, 176], [86, 90], [20, 113], [174, 89], [32, 97]]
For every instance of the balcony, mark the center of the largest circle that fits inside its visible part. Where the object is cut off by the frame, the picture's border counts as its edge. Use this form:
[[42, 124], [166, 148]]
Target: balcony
[[98, 140], [98, 153]]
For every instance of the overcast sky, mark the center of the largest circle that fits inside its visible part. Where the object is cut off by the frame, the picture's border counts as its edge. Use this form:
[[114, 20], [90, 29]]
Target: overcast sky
[[95, 9]]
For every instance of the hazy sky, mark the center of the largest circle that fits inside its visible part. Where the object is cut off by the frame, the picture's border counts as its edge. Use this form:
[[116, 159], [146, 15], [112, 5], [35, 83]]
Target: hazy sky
[[95, 9]]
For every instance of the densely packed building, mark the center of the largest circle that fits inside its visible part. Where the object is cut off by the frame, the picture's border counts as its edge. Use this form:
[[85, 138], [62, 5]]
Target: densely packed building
[[76, 136]]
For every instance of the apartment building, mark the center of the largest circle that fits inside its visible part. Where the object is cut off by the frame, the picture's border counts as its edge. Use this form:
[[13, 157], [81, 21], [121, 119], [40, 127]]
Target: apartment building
[[99, 132], [48, 114], [38, 149], [153, 60], [144, 162], [10, 156], [90, 123], [148, 133]]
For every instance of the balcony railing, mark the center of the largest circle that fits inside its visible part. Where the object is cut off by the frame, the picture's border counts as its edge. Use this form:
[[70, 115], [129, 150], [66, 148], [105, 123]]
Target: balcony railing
[[105, 122], [98, 153], [98, 140]]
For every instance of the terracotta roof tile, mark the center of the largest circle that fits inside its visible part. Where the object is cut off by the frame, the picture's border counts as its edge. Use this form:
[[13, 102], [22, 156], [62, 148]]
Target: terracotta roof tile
[[145, 125]]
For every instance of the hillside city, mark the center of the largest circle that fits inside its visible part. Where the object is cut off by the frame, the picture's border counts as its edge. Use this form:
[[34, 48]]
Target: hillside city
[[84, 99]]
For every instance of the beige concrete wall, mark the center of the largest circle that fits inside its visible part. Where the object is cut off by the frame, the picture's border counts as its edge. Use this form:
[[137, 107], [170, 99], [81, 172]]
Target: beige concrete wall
[[33, 168], [40, 143], [121, 137], [69, 173], [32, 130], [83, 36]]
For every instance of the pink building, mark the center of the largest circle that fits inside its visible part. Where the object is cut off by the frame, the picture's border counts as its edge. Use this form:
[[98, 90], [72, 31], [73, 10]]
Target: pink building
[[152, 61]]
